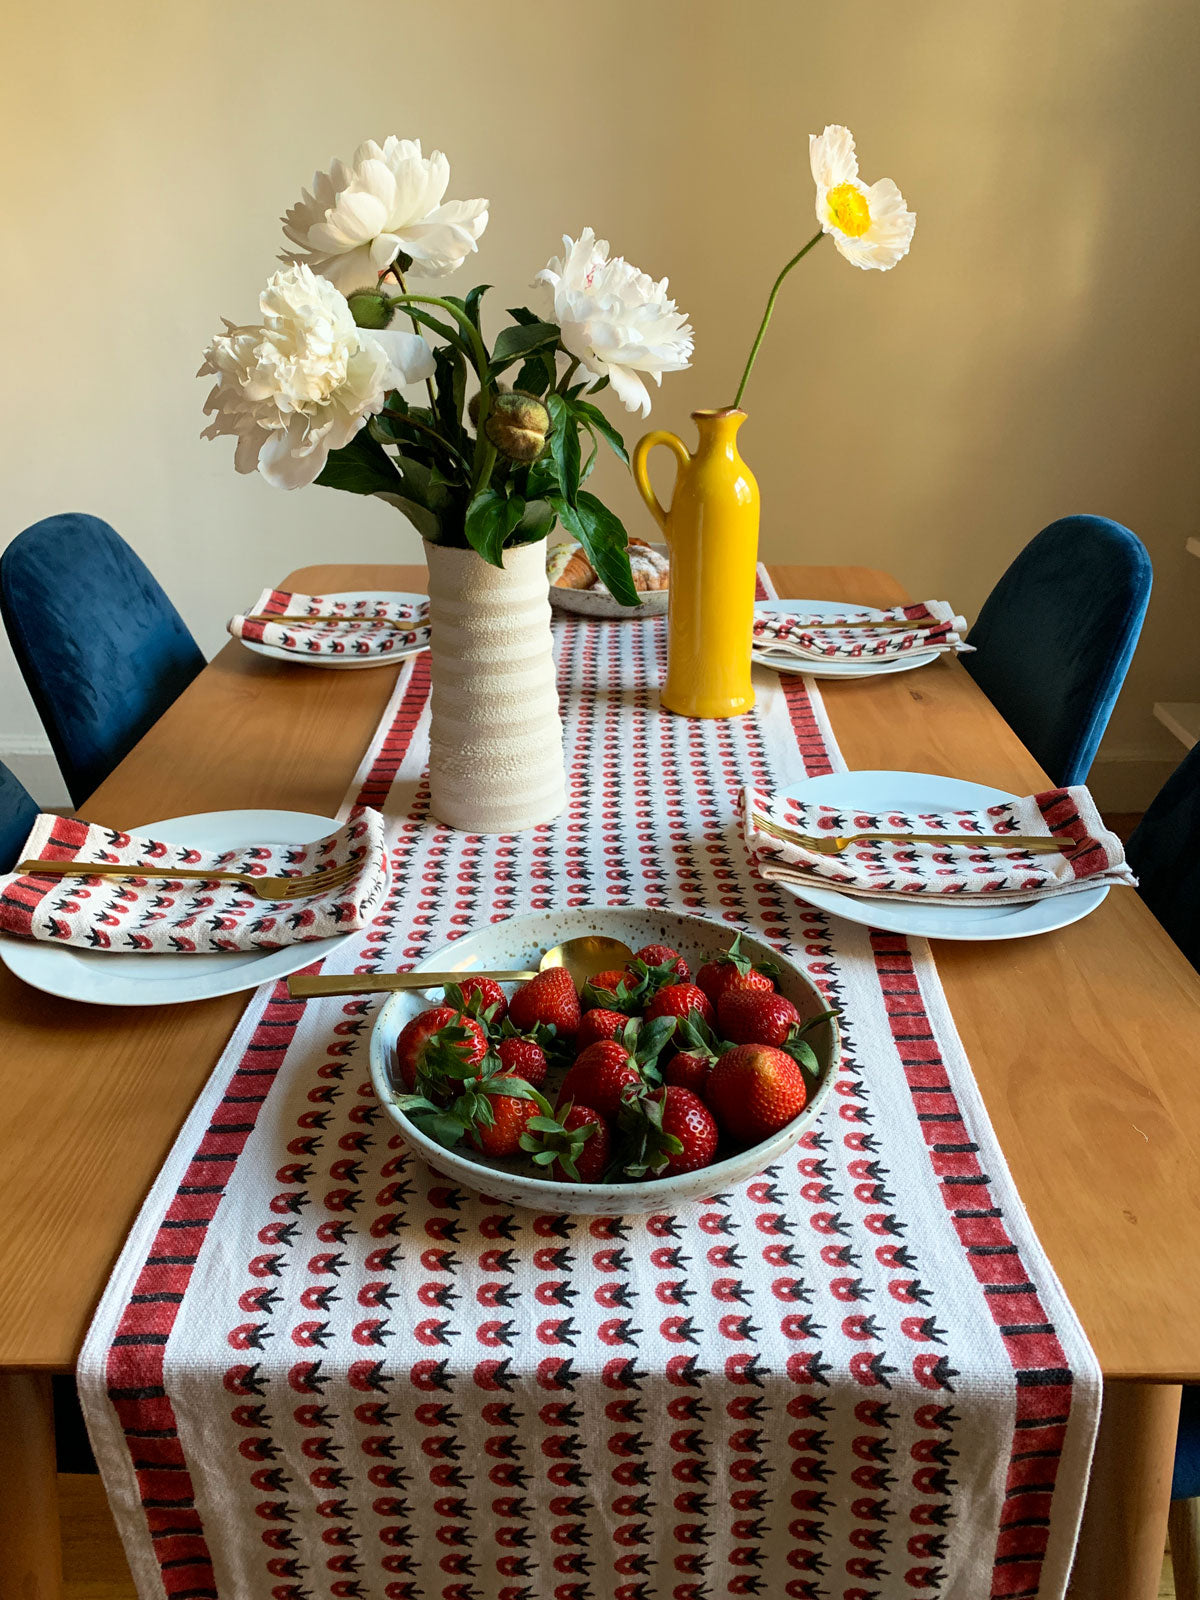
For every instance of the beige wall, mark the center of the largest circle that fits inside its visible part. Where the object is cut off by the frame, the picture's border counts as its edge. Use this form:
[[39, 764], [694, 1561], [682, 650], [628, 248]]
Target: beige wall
[[1035, 355]]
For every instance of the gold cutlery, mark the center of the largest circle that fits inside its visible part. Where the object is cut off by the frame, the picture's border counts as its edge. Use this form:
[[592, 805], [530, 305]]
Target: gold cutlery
[[834, 844], [583, 959], [299, 887], [374, 622]]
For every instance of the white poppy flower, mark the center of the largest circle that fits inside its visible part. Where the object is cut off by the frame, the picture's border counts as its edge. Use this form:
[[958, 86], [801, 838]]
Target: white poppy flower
[[387, 200], [615, 319], [303, 381], [870, 227]]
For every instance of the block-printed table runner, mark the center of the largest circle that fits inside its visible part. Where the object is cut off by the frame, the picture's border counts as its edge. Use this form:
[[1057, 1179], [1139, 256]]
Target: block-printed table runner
[[321, 1370]]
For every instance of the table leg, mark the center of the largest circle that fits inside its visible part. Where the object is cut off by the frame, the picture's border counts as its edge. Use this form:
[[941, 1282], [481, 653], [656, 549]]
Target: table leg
[[30, 1545], [1124, 1531]]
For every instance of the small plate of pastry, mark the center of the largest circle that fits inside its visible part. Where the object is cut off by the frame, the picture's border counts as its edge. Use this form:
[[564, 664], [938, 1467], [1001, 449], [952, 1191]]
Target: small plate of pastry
[[575, 586]]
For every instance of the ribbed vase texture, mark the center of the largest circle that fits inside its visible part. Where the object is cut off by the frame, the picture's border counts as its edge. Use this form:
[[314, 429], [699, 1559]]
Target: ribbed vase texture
[[495, 736]]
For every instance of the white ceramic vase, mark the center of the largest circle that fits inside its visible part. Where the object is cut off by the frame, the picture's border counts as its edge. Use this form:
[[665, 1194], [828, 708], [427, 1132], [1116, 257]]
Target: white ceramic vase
[[495, 736]]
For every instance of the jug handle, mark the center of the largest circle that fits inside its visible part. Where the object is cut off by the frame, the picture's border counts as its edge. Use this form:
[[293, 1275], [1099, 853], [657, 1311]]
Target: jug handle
[[642, 478]]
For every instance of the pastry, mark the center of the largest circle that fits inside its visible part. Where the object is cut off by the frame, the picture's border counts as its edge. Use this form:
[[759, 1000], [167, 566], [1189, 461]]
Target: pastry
[[569, 568]]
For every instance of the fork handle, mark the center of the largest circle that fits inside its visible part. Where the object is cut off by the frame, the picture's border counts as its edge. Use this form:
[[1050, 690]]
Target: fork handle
[[117, 869], [1012, 841], [304, 986]]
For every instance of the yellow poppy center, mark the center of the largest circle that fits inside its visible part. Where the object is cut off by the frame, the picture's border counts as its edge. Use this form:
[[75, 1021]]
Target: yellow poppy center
[[848, 210]]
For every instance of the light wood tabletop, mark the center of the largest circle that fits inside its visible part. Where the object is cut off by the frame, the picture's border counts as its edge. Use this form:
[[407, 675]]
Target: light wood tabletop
[[1084, 1042]]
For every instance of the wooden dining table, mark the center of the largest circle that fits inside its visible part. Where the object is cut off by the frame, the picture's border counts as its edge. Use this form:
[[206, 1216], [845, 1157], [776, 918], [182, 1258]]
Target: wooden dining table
[[1084, 1043]]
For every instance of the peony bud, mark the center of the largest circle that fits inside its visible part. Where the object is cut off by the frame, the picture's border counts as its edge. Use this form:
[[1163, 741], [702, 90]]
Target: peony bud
[[517, 425], [369, 308]]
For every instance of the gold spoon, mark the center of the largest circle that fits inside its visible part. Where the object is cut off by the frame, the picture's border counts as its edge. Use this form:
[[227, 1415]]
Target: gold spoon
[[583, 958]]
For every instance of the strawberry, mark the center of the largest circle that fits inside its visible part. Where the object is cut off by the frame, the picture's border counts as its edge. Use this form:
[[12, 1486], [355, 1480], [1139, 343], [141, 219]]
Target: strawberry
[[669, 1131], [600, 1024], [689, 1069], [601, 1077], [754, 1090], [479, 996], [616, 989], [583, 1155], [548, 999], [510, 1117], [714, 976], [755, 1016], [524, 1058], [688, 1119], [661, 955], [680, 1000], [439, 1032], [697, 1049]]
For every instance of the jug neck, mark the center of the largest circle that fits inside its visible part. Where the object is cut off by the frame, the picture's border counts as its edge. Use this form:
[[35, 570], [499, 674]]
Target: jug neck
[[718, 431]]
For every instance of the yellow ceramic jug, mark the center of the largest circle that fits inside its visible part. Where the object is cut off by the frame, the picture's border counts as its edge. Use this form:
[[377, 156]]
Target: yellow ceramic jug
[[712, 532]]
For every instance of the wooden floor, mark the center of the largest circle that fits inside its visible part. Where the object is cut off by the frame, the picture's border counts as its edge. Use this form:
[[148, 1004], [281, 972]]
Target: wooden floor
[[94, 1564]]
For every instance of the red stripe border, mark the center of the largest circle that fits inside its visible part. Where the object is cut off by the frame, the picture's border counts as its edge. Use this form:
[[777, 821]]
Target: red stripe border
[[134, 1366]]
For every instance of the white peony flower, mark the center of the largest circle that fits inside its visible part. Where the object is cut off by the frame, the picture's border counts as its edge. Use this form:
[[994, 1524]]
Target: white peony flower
[[615, 319], [360, 216], [303, 381], [870, 227]]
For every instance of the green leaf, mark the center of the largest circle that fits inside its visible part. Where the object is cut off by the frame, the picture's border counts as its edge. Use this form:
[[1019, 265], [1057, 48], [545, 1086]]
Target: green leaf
[[603, 427], [471, 304], [537, 375], [523, 315], [443, 1127], [521, 340], [422, 519], [536, 522], [590, 463], [542, 478], [602, 535], [451, 391], [362, 467], [491, 517], [564, 446]]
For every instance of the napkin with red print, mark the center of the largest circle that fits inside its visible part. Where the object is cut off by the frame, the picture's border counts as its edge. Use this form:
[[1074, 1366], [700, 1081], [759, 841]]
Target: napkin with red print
[[862, 635], [184, 916], [890, 869], [323, 625]]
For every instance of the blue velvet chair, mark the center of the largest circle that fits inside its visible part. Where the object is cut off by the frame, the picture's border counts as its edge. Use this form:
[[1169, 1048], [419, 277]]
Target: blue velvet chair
[[1164, 851], [102, 649], [1056, 635], [17, 811]]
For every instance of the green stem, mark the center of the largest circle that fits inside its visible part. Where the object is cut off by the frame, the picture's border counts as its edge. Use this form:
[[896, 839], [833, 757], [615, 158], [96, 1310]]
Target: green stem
[[415, 422], [485, 451], [762, 330], [564, 382], [416, 327]]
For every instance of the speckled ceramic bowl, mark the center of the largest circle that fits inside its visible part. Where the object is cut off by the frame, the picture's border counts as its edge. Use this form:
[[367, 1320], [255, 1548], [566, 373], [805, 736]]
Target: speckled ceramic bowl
[[519, 943], [599, 603]]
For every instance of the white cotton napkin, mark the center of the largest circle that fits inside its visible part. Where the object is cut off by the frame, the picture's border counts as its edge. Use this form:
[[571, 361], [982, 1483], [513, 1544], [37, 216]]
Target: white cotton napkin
[[860, 636], [187, 916], [889, 870], [360, 628]]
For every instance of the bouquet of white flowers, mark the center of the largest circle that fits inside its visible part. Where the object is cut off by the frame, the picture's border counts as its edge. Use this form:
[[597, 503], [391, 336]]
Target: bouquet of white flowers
[[494, 453]]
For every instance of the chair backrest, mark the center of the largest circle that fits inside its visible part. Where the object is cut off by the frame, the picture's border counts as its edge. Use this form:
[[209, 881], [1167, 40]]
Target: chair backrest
[[1164, 851], [102, 649], [1056, 635], [17, 811]]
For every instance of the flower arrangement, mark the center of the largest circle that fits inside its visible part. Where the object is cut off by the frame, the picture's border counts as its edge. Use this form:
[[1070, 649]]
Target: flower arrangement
[[492, 454]]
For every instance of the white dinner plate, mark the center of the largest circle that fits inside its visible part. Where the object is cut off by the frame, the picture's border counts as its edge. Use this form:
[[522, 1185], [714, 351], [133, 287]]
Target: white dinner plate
[[924, 791], [832, 669], [344, 663], [103, 978]]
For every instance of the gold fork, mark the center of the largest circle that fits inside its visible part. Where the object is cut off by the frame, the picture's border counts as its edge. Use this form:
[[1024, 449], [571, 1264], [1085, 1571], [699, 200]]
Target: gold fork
[[300, 887], [834, 844], [375, 622]]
